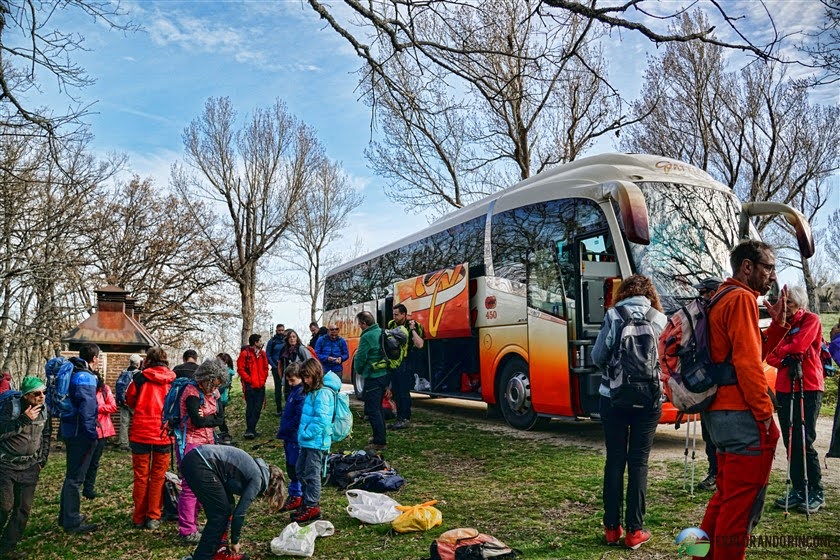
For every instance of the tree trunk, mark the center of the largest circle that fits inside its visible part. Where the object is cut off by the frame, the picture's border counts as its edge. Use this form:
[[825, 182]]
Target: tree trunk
[[810, 286], [247, 294]]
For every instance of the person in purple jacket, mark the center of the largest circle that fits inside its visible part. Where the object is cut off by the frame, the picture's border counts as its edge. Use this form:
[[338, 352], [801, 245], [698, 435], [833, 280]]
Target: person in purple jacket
[[834, 350]]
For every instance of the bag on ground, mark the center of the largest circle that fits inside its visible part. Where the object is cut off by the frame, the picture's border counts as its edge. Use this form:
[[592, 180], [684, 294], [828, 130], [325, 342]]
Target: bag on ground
[[633, 368], [343, 468], [342, 422], [389, 405], [59, 371], [370, 507], [386, 480], [420, 517], [469, 544], [10, 404], [171, 492], [296, 540], [689, 377]]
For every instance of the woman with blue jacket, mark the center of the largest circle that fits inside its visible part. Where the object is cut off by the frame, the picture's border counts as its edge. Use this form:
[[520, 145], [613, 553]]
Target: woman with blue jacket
[[314, 435], [628, 432]]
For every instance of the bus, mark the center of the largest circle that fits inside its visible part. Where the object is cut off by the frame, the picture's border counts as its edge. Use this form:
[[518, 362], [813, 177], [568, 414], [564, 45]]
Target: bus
[[512, 290]]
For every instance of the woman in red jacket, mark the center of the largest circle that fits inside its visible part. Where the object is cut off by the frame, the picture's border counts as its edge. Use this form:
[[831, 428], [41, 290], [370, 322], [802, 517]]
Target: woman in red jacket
[[107, 405], [150, 444]]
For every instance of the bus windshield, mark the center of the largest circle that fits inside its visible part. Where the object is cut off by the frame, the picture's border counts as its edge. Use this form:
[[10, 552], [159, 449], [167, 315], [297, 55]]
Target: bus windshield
[[692, 230]]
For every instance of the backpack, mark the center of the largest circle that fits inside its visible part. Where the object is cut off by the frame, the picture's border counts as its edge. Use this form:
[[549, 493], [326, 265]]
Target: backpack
[[633, 369], [171, 492], [342, 421], [344, 468], [689, 377], [827, 363], [392, 343], [469, 544], [386, 480], [172, 421], [10, 398], [59, 372], [121, 386]]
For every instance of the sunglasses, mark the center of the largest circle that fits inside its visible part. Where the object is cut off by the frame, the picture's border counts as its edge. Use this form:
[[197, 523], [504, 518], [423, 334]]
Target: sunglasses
[[36, 393]]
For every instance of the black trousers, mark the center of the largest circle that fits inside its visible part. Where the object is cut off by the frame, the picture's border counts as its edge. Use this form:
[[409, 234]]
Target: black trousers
[[79, 455], [17, 493], [402, 382], [711, 451], [254, 401], [279, 378], [93, 469], [813, 401], [374, 391], [218, 505], [628, 435]]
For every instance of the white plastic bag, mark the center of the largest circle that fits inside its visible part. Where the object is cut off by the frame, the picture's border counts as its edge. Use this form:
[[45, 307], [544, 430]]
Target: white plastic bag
[[300, 541], [371, 507]]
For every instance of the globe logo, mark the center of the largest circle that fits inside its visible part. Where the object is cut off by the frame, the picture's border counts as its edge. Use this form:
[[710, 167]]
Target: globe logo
[[693, 541]]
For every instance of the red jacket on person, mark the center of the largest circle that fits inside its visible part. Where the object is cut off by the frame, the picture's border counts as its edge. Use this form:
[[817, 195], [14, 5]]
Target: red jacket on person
[[804, 339], [145, 395], [252, 367], [107, 406]]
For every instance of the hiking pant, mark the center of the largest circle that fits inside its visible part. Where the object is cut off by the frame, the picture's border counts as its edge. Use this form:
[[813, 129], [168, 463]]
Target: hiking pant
[[813, 402], [126, 414], [254, 401], [745, 456], [79, 454], [711, 452], [628, 435], [93, 469], [188, 504], [150, 463], [279, 378], [374, 391], [292, 451], [218, 506], [402, 382], [310, 469], [17, 492]]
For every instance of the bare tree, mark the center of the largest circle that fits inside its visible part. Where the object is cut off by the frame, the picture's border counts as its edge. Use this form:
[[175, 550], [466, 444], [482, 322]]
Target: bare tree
[[321, 215], [822, 46], [254, 178]]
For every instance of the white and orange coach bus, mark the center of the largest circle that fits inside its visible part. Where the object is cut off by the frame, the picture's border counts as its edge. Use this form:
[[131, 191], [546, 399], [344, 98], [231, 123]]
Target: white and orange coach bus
[[512, 290]]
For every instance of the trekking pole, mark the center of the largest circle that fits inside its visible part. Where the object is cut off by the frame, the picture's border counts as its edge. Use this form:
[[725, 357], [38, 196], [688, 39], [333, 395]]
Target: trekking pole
[[685, 453], [802, 421], [693, 450], [788, 482]]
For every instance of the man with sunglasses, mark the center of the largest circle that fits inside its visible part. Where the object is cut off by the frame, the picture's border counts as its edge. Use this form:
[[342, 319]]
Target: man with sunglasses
[[24, 447]]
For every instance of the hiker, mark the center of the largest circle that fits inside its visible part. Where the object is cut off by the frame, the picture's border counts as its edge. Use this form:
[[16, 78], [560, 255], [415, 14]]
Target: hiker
[[834, 345], [332, 351], [123, 381], [628, 432], [288, 432], [24, 448], [78, 430], [106, 406], [800, 348], [402, 377], [5, 381], [218, 472], [273, 350], [740, 417], [150, 444], [706, 289], [252, 366], [314, 435], [293, 351], [317, 332], [369, 364], [198, 406], [189, 365], [224, 399]]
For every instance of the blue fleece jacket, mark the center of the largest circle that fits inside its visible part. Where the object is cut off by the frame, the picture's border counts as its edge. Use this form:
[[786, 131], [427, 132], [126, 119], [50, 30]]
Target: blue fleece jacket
[[327, 348], [315, 431]]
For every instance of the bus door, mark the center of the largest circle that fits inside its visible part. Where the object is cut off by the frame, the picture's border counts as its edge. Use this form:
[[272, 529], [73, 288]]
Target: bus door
[[596, 262]]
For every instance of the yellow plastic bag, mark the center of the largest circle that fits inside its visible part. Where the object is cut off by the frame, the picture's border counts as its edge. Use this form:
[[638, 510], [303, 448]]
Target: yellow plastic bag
[[421, 517]]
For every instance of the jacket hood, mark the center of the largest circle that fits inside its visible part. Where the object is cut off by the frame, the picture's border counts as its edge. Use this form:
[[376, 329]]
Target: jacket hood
[[159, 374], [332, 381], [641, 304]]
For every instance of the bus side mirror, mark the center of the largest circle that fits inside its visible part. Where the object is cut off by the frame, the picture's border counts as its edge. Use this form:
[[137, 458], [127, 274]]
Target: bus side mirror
[[633, 209], [804, 237]]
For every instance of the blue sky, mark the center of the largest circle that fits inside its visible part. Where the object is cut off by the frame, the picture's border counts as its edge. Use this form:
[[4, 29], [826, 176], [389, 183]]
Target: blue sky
[[150, 84]]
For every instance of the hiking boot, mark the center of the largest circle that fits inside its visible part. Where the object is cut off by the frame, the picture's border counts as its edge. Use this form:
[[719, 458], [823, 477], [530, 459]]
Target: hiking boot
[[292, 503], [375, 448], [794, 500], [192, 537], [92, 495], [152, 524], [400, 424], [225, 439], [709, 483], [249, 435], [635, 539], [306, 513], [82, 528], [816, 500], [613, 536]]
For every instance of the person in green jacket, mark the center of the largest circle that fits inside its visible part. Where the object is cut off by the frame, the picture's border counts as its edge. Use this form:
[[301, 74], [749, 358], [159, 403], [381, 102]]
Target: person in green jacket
[[370, 364]]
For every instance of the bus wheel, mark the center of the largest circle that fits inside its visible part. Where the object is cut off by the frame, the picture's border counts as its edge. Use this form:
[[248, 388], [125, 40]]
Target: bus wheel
[[358, 385], [515, 396]]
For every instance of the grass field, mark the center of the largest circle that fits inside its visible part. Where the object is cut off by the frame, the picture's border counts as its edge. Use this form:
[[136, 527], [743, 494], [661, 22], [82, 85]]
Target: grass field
[[539, 495]]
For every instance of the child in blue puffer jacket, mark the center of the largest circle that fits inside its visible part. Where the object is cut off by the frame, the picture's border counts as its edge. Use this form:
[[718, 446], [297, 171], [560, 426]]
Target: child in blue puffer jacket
[[314, 435], [288, 432]]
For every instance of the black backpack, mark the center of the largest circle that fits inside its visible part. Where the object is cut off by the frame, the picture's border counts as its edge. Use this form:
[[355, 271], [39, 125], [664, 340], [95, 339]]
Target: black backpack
[[344, 468], [392, 342], [633, 369]]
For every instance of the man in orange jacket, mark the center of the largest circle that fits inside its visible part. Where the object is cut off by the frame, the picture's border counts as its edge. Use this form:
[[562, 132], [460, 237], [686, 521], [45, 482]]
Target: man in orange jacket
[[252, 367], [740, 419]]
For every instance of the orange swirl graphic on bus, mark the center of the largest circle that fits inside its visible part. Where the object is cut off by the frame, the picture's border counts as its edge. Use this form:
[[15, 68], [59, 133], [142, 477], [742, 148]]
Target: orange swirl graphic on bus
[[438, 300]]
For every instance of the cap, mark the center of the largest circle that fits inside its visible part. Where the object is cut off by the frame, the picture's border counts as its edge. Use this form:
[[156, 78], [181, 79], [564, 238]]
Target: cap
[[135, 359], [710, 283], [30, 384]]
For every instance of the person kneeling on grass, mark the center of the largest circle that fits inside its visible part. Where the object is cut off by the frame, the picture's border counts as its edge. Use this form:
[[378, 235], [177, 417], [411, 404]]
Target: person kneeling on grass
[[218, 472]]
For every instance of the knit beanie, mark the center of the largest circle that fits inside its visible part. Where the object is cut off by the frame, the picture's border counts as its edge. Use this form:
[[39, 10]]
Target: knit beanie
[[30, 384]]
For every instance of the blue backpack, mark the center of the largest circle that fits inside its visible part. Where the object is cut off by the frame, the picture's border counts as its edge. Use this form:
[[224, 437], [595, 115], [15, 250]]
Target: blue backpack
[[59, 372], [172, 422], [11, 398], [123, 381], [342, 422]]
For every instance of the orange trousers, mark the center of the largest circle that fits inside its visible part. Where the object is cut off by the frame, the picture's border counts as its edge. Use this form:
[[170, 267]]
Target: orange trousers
[[149, 474]]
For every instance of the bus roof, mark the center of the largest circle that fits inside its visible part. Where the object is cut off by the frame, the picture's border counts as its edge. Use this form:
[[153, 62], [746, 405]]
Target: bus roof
[[576, 178]]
